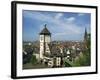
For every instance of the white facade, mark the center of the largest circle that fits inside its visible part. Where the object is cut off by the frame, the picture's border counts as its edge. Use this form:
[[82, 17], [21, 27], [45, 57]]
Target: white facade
[[58, 61], [41, 46], [44, 41], [50, 63], [68, 52]]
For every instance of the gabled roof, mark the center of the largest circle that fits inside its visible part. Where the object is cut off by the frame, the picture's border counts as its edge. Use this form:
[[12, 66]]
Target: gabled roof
[[45, 31]]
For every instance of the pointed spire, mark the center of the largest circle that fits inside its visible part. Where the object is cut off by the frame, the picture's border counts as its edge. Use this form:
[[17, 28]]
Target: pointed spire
[[85, 31], [45, 31], [85, 34], [45, 25]]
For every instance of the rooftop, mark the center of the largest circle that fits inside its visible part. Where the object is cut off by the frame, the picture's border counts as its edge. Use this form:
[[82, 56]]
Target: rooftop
[[45, 31]]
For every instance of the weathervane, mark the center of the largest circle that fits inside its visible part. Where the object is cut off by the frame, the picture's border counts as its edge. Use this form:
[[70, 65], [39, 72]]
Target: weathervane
[[45, 25]]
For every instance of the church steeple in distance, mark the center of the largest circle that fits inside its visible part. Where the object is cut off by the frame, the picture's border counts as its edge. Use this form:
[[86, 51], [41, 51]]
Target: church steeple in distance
[[85, 34]]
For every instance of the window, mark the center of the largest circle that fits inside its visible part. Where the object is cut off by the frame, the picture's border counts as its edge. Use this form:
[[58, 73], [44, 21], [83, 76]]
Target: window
[[41, 38]]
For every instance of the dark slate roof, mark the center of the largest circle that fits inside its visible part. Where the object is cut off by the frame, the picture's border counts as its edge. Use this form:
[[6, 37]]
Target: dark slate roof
[[45, 31]]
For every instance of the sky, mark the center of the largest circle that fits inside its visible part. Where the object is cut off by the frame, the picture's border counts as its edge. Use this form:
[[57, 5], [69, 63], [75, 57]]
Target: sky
[[62, 25]]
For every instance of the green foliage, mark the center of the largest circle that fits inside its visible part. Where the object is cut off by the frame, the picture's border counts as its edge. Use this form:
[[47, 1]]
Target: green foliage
[[33, 59], [67, 64], [84, 59]]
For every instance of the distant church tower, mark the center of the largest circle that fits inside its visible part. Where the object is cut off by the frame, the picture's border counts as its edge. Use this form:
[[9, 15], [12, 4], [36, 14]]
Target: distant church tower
[[85, 35], [85, 38], [45, 39]]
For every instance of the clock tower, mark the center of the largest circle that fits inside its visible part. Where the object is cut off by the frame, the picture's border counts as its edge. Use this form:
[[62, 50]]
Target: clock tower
[[45, 39]]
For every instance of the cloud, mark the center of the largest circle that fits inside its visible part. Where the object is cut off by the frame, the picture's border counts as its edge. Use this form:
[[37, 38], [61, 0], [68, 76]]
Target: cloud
[[59, 15], [81, 14], [59, 26], [70, 19], [60, 34], [35, 15]]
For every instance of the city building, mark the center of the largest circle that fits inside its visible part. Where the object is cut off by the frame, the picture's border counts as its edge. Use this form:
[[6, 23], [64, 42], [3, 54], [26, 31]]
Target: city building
[[53, 54]]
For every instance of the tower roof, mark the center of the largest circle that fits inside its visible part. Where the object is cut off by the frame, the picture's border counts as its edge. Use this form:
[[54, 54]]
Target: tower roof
[[45, 31]]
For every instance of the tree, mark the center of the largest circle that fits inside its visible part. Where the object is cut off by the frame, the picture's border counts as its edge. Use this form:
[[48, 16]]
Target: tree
[[67, 64], [85, 58], [33, 59]]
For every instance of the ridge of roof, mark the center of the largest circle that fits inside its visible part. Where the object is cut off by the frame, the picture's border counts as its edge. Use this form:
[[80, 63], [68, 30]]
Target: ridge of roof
[[45, 31]]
